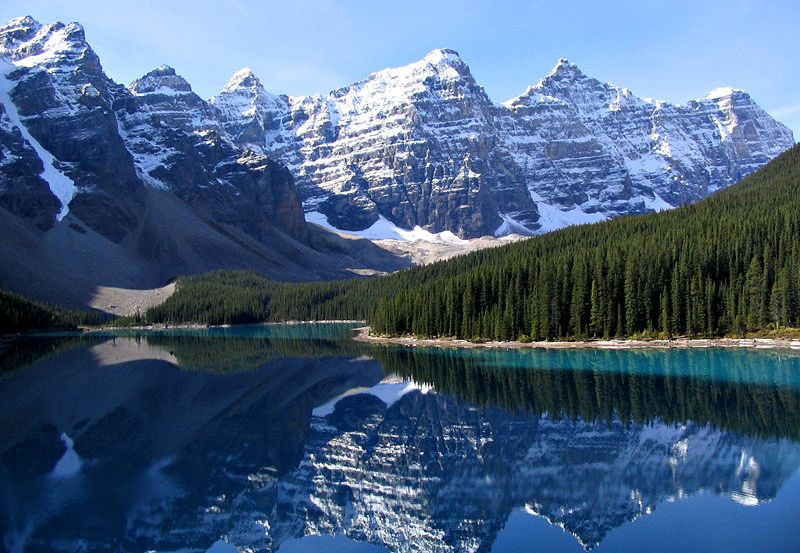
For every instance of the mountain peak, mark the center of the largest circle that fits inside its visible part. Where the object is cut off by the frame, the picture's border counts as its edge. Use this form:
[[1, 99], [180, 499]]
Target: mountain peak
[[244, 78], [441, 64], [162, 70], [27, 42], [25, 22], [443, 56], [554, 87], [565, 69], [722, 92], [161, 80]]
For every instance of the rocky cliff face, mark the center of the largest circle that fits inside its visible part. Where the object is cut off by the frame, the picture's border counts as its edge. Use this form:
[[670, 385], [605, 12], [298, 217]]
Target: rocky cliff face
[[178, 145], [424, 145], [416, 144], [106, 144], [599, 150], [59, 99]]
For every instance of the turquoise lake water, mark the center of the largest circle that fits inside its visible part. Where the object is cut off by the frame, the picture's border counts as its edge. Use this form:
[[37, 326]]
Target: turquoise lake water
[[296, 438]]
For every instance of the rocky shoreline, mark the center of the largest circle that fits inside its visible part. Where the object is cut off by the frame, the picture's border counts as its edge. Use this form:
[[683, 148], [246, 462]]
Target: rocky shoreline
[[363, 335]]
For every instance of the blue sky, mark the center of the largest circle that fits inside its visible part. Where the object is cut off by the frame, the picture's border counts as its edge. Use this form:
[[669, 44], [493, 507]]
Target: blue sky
[[671, 50]]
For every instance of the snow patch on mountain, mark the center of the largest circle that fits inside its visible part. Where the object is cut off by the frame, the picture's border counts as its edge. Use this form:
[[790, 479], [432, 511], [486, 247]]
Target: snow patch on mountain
[[32, 44], [383, 229], [70, 463], [389, 391], [553, 218], [510, 226], [60, 184], [721, 92]]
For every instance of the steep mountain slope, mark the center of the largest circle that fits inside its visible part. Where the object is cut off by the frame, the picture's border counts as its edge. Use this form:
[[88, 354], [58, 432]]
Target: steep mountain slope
[[412, 144], [129, 187], [424, 145], [596, 147], [61, 101], [177, 145]]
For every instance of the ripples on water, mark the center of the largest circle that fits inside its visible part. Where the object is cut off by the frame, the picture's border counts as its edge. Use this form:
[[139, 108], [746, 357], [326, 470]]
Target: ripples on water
[[293, 437]]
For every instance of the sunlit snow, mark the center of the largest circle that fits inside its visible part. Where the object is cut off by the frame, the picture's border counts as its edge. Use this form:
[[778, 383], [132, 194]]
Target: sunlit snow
[[551, 218], [510, 226], [383, 229]]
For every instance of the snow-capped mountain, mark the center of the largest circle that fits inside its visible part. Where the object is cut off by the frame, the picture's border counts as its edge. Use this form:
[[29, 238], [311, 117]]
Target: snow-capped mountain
[[424, 145], [597, 149], [129, 187], [111, 143], [132, 185], [416, 144], [58, 100], [177, 143]]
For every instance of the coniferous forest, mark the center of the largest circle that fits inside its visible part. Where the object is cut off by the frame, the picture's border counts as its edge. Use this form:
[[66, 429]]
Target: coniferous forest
[[19, 314], [728, 265]]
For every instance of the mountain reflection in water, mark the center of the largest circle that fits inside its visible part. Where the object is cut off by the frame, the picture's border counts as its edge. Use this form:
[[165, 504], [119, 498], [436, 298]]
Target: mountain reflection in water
[[258, 436]]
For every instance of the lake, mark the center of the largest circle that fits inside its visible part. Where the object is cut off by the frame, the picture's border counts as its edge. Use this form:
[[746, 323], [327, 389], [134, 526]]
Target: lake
[[296, 438]]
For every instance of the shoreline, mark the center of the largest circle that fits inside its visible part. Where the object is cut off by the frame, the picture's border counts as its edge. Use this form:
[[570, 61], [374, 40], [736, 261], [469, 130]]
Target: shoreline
[[363, 335], [166, 326]]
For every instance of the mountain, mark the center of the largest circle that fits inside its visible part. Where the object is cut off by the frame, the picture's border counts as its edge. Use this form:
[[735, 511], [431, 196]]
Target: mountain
[[427, 473], [424, 145], [128, 187]]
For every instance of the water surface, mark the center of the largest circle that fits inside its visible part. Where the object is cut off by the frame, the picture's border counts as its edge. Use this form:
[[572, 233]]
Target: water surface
[[295, 438]]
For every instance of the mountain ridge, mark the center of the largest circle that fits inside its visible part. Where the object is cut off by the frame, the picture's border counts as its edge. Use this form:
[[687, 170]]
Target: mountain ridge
[[569, 149], [423, 144]]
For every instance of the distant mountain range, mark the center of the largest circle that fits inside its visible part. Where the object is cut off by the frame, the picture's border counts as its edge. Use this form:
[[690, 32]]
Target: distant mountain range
[[128, 187], [424, 145]]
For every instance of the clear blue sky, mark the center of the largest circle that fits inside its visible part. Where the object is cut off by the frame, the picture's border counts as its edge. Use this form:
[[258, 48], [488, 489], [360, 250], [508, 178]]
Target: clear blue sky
[[672, 50]]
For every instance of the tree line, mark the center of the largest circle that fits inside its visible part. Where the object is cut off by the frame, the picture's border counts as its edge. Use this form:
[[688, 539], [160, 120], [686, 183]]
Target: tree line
[[727, 265]]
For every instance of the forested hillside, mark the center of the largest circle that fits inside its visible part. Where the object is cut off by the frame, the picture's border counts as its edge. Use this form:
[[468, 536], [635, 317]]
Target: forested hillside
[[19, 314], [727, 265]]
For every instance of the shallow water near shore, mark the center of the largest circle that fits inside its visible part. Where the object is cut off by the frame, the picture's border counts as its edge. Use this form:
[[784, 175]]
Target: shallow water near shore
[[297, 438]]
